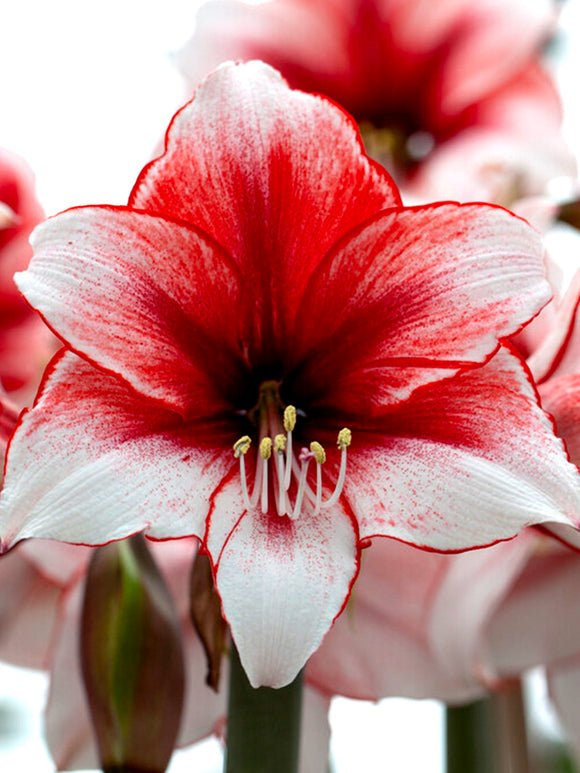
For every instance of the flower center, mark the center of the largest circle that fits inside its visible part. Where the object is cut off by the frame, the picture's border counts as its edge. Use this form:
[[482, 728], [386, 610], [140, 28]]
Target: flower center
[[395, 148], [290, 472]]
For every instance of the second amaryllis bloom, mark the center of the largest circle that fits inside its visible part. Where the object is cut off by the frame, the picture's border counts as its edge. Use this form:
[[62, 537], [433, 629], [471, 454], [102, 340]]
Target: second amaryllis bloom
[[263, 300]]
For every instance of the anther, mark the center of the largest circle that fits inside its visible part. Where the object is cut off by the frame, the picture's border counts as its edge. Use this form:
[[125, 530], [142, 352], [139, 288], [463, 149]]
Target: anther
[[318, 451], [266, 448], [280, 443], [289, 418], [242, 446], [344, 438]]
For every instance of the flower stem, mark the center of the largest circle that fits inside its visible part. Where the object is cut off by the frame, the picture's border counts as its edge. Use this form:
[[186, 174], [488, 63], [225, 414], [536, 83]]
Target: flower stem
[[489, 735], [468, 738], [510, 728], [263, 730]]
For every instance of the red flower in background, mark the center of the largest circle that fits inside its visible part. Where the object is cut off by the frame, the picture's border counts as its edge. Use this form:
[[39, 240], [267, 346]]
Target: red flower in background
[[263, 265], [450, 96], [25, 343]]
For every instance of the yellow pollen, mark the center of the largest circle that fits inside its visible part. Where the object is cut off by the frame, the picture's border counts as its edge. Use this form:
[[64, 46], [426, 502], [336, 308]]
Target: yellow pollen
[[280, 442], [266, 447], [344, 438], [242, 445], [289, 418], [318, 451]]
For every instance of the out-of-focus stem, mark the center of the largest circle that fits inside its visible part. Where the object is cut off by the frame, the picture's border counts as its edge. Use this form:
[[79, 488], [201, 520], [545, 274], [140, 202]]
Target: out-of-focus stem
[[489, 735], [263, 729]]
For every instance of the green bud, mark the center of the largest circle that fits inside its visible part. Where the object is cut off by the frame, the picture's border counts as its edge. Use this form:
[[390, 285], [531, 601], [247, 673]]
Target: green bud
[[132, 659]]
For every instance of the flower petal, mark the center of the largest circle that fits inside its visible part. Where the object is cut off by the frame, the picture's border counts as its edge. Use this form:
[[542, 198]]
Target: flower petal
[[69, 731], [282, 582], [93, 462], [473, 587], [282, 173], [464, 463], [512, 149], [564, 686], [302, 40], [141, 296], [379, 646], [559, 352], [57, 562], [412, 297], [497, 39], [561, 398], [28, 612], [538, 622]]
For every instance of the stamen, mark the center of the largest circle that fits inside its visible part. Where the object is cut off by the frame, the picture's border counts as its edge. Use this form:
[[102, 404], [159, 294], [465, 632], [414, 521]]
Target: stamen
[[343, 441], [289, 418], [265, 453], [289, 424], [241, 448], [279, 446], [320, 456], [286, 468]]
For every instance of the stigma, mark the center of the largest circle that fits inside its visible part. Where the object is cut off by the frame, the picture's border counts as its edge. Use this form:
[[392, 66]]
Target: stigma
[[276, 460]]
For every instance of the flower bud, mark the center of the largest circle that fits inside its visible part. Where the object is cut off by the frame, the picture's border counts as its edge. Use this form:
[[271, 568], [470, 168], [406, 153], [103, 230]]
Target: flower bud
[[132, 659]]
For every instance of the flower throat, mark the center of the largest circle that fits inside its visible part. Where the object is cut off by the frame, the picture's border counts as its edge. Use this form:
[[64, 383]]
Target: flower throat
[[276, 424]]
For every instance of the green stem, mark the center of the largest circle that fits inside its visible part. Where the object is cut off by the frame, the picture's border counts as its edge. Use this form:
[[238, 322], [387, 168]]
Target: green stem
[[489, 735], [263, 730], [468, 731]]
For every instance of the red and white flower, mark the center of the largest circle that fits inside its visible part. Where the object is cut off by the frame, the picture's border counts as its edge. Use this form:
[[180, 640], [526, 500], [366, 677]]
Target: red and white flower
[[451, 96], [263, 268], [25, 343]]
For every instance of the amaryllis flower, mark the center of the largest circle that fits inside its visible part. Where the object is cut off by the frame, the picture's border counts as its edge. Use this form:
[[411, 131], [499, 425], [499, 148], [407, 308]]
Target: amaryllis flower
[[25, 344], [450, 96], [264, 297]]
